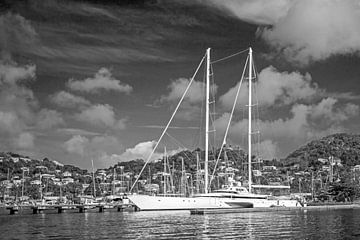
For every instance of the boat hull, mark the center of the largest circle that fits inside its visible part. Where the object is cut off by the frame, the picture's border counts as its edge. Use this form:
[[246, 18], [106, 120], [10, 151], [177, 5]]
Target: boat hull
[[156, 203]]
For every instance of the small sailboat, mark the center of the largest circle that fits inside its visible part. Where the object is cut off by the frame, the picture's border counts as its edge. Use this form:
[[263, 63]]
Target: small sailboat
[[231, 196]]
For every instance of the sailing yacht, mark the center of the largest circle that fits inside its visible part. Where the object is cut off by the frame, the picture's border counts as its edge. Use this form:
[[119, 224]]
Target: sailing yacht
[[231, 196]]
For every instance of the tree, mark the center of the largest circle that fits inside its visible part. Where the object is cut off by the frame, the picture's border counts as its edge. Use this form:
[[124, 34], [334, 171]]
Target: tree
[[343, 192]]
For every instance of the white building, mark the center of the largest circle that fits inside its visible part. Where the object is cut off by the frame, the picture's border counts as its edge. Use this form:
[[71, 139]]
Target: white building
[[67, 174], [67, 180]]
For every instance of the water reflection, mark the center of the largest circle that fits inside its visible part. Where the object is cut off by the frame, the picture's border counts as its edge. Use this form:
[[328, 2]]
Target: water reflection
[[338, 224], [249, 227], [206, 227]]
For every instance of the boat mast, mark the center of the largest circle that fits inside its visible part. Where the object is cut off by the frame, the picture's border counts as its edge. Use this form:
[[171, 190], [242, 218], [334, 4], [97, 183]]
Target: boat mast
[[114, 178], [207, 120], [249, 125], [197, 173], [165, 160], [183, 178], [93, 176]]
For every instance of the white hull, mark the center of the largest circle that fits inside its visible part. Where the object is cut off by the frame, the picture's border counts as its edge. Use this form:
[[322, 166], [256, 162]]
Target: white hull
[[155, 203], [148, 203]]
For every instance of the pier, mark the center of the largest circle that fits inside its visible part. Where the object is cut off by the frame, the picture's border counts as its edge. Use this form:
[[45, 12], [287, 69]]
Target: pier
[[60, 208]]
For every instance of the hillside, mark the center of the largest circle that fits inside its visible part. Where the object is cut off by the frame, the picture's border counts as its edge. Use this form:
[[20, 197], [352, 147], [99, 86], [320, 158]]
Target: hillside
[[306, 169], [12, 164], [343, 146]]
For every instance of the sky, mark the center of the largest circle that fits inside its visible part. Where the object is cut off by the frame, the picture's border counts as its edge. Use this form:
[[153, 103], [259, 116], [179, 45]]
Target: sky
[[84, 80]]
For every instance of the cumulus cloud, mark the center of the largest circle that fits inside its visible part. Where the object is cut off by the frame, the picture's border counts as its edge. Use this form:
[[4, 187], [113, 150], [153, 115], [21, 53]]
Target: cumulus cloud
[[102, 116], [84, 145], [14, 95], [315, 30], [77, 145], [255, 11], [274, 87], [17, 105], [25, 141], [68, 100], [305, 122], [268, 149], [15, 33], [140, 151], [103, 80], [190, 107], [301, 30], [12, 74], [102, 149], [21, 118], [329, 112], [47, 119], [195, 94], [10, 123]]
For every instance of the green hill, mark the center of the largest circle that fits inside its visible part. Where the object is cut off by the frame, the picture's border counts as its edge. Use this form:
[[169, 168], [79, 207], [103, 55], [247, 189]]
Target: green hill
[[343, 146]]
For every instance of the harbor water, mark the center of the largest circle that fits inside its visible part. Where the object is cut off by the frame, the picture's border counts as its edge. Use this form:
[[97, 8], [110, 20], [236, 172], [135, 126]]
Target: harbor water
[[301, 224]]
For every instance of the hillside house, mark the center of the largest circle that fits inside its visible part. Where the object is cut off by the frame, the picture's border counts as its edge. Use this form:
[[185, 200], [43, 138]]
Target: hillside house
[[356, 168], [325, 168], [269, 168], [67, 180], [257, 173], [17, 182], [67, 174], [296, 166], [35, 182], [323, 160]]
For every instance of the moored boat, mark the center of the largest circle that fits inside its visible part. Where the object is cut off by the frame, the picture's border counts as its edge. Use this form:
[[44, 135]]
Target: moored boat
[[231, 196]]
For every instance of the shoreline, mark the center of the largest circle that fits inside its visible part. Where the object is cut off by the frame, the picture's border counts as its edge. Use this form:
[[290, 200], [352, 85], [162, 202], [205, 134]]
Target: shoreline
[[22, 211]]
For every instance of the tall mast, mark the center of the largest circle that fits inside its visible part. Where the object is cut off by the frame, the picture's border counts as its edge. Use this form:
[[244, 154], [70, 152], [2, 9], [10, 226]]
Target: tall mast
[[207, 120], [93, 175], [165, 160], [197, 173], [183, 177], [249, 125], [22, 186], [114, 178]]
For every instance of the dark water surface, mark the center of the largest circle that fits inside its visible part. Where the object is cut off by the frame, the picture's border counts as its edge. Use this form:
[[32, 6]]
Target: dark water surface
[[311, 224]]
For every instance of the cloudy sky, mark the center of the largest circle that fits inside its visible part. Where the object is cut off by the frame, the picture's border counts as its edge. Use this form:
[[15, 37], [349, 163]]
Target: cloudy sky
[[84, 80]]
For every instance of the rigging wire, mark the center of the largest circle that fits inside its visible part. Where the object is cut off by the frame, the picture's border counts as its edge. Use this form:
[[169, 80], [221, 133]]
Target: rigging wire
[[230, 56], [256, 73], [228, 125], [168, 124], [178, 143]]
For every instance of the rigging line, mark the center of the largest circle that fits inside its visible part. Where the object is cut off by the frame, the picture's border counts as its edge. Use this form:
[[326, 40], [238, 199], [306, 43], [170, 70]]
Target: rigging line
[[168, 124], [172, 127], [228, 125], [197, 135], [213, 115], [179, 143], [230, 56], [256, 74]]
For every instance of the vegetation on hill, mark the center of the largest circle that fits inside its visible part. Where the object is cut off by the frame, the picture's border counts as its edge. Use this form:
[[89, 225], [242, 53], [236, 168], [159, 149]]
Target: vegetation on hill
[[306, 170], [345, 147]]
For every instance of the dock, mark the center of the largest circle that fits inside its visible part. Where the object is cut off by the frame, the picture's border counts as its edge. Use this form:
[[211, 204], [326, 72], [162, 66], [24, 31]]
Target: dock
[[60, 208], [272, 209]]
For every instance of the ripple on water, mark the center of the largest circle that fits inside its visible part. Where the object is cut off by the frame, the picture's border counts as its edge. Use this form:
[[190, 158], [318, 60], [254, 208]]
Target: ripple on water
[[336, 224]]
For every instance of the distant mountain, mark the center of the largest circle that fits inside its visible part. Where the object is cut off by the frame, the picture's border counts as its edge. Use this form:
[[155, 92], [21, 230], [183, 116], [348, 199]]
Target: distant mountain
[[343, 146]]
